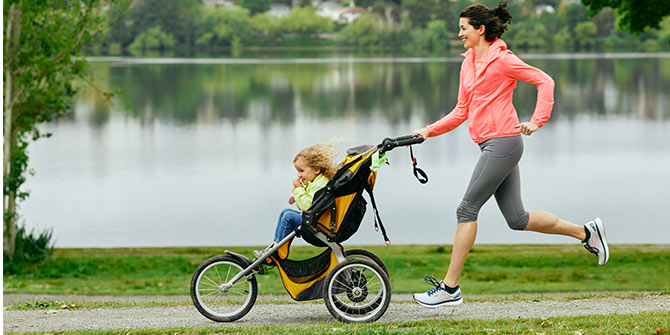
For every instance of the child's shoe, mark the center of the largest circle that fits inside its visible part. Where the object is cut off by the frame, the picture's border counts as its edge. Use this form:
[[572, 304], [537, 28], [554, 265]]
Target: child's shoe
[[259, 253]]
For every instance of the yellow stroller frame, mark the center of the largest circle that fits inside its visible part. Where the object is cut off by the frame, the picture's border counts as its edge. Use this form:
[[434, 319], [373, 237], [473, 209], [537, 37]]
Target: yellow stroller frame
[[353, 283]]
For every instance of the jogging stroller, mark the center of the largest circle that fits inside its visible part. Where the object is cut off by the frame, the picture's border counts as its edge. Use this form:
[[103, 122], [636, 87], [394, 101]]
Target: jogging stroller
[[353, 283]]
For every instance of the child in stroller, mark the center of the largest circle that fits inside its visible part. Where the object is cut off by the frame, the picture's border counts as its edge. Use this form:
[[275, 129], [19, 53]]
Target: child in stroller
[[315, 166]]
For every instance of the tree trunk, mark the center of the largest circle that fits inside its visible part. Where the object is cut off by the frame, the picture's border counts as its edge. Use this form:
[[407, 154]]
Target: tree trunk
[[10, 136]]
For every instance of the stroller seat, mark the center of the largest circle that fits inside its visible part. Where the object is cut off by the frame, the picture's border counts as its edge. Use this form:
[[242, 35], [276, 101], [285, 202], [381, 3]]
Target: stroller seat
[[338, 209]]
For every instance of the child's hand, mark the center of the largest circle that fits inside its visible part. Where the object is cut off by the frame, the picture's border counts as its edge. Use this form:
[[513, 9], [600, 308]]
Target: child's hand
[[297, 183], [291, 200]]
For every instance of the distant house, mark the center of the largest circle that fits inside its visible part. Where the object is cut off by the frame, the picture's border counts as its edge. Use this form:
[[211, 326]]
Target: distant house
[[330, 9], [278, 10], [350, 14], [544, 8]]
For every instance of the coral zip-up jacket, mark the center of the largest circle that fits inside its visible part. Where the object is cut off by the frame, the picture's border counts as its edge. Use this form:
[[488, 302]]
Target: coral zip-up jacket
[[485, 95]]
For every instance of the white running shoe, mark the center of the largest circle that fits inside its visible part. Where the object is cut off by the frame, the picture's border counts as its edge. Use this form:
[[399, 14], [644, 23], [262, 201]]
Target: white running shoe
[[438, 296], [596, 243]]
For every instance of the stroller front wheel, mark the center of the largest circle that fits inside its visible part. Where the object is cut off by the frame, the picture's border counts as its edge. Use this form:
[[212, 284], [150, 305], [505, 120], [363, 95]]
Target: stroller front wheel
[[213, 298], [357, 290]]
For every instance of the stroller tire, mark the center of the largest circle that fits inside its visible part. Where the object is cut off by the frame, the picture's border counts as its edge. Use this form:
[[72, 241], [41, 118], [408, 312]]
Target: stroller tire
[[356, 291], [211, 301], [364, 254]]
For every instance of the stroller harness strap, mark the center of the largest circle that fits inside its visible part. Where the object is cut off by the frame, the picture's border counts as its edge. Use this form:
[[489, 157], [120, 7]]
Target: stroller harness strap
[[377, 219]]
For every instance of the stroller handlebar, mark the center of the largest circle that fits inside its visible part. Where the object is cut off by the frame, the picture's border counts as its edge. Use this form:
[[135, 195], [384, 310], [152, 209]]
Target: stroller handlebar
[[390, 143]]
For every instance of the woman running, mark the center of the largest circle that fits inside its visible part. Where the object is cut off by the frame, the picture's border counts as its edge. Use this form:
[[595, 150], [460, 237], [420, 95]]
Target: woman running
[[487, 80]]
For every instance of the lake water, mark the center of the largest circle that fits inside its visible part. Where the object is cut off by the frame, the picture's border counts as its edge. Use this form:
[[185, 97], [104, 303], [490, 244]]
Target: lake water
[[198, 152]]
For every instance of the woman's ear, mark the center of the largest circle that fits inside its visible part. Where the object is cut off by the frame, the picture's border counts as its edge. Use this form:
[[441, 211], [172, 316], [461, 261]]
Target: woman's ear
[[482, 30]]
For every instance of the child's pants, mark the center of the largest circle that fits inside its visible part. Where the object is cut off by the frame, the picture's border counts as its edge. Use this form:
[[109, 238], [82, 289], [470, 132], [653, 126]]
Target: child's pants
[[289, 219]]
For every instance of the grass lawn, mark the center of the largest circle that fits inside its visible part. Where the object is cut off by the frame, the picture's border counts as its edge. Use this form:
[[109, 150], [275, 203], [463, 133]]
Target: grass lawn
[[489, 269]]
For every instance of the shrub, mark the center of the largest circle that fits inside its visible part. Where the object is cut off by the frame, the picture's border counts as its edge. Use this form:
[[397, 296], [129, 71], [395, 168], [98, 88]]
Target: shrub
[[30, 250]]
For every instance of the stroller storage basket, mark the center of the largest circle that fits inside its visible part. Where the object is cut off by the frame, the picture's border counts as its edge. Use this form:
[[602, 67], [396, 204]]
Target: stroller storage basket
[[303, 279]]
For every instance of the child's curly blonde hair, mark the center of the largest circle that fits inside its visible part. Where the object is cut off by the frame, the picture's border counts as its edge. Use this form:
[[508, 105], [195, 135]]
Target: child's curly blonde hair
[[321, 157]]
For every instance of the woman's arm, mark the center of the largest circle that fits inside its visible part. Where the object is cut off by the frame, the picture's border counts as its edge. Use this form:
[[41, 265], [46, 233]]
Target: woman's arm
[[519, 70], [455, 118]]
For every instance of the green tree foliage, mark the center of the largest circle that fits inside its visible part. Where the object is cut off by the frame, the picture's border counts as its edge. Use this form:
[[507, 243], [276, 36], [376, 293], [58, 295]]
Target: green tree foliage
[[43, 49], [370, 30], [387, 11], [419, 11], [175, 17], [398, 24], [254, 6], [563, 39], [222, 27], [153, 39], [585, 33], [304, 22], [635, 16], [268, 27], [363, 32], [436, 35], [528, 34]]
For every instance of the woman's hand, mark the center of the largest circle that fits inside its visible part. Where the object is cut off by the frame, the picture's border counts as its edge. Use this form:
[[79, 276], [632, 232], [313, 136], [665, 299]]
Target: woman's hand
[[422, 132], [527, 128]]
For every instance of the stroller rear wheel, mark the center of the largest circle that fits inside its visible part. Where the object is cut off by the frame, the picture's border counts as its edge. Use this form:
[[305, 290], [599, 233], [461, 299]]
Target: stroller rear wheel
[[213, 299], [357, 290]]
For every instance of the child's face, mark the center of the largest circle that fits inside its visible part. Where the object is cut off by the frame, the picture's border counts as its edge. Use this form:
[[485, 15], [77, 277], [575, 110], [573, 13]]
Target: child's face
[[306, 173]]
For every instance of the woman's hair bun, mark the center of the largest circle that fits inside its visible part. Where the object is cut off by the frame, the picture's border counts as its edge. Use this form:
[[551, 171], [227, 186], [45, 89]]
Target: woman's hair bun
[[502, 13]]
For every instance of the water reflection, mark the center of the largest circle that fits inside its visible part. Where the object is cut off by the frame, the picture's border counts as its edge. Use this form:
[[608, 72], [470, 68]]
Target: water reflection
[[191, 93], [198, 153]]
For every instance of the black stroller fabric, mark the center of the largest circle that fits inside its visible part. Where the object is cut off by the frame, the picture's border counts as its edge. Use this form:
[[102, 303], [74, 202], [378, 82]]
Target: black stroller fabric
[[338, 209]]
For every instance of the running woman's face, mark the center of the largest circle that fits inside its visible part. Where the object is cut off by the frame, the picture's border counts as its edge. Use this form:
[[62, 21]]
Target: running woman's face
[[469, 34], [306, 173]]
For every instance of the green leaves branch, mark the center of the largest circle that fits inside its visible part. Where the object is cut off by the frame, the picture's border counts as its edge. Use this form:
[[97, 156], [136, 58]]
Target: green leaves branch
[[43, 52]]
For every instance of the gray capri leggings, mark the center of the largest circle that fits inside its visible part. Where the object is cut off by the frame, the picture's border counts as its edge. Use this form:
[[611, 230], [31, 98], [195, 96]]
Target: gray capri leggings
[[496, 173]]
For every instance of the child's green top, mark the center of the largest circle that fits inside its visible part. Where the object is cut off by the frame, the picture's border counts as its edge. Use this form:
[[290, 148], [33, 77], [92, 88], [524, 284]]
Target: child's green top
[[304, 195]]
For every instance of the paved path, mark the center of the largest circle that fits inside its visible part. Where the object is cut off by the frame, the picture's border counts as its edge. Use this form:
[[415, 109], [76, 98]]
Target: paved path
[[282, 314]]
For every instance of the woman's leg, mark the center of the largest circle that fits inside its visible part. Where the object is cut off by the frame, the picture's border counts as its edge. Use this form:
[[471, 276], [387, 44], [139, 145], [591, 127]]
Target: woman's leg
[[508, 197], [463, 242], [547, 223], [499, 156], [497, 161]]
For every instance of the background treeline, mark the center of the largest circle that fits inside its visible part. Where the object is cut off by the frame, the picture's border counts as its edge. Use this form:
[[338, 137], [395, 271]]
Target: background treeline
[[409, 25]]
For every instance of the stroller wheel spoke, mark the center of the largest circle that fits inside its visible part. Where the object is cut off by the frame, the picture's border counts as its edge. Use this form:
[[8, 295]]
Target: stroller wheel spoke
[[218, 275], [210, 282], [342, 285], [228, 274]]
